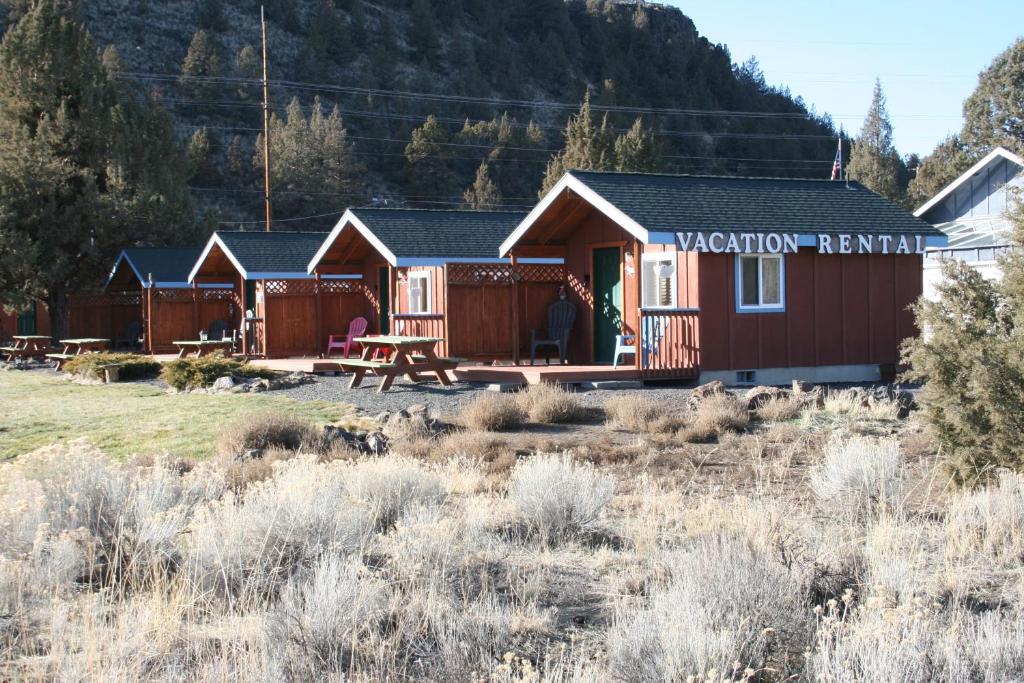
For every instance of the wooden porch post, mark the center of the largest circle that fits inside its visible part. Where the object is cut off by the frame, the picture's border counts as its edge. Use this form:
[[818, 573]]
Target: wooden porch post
[[149, 317], [515, 311], [638, 340], [195, 305], [395, 297], [446, 349], [261, 288], [245, 325], [318, 315]]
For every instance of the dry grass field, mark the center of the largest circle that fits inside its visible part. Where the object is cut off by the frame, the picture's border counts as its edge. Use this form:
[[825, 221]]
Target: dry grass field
[[642, 542]]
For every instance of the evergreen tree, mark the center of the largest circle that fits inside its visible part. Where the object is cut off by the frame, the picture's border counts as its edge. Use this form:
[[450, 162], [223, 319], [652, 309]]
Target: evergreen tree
[[427, 163], [946, 162], [874, 161], [237, 156], [211, 15], [201, 60], [588, 147], [311, 161], [86, 168], [994, 113], [636, 150], [423, 32], [483, 194], [112, 61]]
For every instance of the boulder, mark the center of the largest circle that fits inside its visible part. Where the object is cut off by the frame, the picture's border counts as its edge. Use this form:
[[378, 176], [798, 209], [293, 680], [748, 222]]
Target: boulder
[[892, 392], [417, 409], [376, 444], [259, 385], [713, 388], [224, 383], [800, 387], [758, 396], [332, 435], [382, 417]]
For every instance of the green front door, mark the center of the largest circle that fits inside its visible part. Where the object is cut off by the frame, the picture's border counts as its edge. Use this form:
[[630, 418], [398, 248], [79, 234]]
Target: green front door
[[385, 300], [607, 302], [27, 321]]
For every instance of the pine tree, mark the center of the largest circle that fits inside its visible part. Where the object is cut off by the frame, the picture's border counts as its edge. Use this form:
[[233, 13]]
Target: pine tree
[[427, 163], [994, 113], [112, 61], [636, 150], [211, 15], [588, 147], [423, 32], [201, 61], [483, 194], [311, 161], [80, 153], [874, 161]]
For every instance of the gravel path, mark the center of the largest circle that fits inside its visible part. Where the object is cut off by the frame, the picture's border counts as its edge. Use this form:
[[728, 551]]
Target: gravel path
[[439, 400]]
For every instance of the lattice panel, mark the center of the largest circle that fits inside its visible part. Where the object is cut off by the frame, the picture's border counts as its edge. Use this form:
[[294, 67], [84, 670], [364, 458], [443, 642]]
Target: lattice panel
[[341, 286], [217, 295], [172, 295], [289, 287], [541, 272], [120, 299], [479, 273]]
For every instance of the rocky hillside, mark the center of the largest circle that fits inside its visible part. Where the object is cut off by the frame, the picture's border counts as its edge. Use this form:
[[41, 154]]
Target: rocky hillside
[[388, 64]]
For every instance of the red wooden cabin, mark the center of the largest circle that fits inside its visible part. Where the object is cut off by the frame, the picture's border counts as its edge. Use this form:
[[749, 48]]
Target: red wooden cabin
[[34, 319], [740, 279], [436, 273], [276, 299]]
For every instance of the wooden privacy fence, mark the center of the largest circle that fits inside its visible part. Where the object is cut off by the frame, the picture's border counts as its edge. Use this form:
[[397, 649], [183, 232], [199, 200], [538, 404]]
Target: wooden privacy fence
[[342, 300], [669, 346], [490, 308], [421, 325], [299, 315], [104, 315], [179, 314]]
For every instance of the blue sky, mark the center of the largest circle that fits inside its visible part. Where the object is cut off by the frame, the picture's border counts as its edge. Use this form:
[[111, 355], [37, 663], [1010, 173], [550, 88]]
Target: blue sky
[[928, 54]]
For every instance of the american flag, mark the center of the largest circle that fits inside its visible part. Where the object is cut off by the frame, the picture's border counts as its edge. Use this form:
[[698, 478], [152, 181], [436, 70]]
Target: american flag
[[837, 165]]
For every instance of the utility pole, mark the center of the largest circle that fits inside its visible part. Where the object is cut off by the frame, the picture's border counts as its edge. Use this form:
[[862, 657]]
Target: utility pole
[[266, 122]]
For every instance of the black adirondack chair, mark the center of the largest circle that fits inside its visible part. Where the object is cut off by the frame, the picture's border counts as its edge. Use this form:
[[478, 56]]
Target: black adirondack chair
[[561, 316], [221, 330], [131, 338]]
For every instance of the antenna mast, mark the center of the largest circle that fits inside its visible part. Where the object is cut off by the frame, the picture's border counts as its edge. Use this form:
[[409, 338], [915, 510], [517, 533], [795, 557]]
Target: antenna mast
[[266, 123]]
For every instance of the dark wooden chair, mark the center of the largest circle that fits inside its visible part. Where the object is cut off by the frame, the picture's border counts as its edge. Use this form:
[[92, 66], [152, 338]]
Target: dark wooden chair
[[561, 317], [221, 330], [131, 338]]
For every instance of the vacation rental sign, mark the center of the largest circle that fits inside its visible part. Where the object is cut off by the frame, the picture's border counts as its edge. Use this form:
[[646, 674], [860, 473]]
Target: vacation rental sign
[[786, 243]]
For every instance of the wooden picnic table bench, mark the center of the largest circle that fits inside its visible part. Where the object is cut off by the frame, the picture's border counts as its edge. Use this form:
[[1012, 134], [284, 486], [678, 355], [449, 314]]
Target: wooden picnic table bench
[[200, 348], [409, 356], [28, 346], [77, 347]]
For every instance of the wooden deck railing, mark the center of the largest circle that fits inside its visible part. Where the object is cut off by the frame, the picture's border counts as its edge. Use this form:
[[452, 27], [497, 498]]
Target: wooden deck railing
[[669, 343], [420, 325]]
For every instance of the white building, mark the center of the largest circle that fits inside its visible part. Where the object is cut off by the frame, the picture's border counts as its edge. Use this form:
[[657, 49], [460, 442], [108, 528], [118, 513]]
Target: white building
[[972, 212]]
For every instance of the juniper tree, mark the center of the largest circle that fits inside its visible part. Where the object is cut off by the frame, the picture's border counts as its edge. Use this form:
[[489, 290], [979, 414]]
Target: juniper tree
[[86, 167], [636, 150], [588, 147], [427, 163], [874, 161], [311, 161], [994, 112], [483, 193]]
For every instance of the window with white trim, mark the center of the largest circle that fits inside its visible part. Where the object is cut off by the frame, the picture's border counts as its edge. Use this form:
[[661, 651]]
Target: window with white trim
[[658, 280], [760, 282], [419, 292]]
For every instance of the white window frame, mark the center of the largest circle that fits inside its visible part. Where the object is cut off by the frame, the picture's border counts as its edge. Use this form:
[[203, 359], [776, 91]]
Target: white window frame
[[760, 307], [420, 275], [656, 256]]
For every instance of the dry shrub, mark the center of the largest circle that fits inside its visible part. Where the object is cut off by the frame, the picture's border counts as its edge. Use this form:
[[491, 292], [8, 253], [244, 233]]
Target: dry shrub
[[633, 412], [261, 431], [558, 497], [859, 477], [550, 404], [493, 412], [780, 409], [715, 416], [724, 610]]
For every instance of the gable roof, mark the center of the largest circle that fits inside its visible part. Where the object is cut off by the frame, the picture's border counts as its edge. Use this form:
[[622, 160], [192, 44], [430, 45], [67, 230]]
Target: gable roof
[[653, 207], [169, 266], [264, 255], [411, 237], [998, 152]]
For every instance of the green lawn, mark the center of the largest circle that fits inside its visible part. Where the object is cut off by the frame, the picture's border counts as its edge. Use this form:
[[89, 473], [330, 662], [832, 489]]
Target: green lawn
[[39, 408]]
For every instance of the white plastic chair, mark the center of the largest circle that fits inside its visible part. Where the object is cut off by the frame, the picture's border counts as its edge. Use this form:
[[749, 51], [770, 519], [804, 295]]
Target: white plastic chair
[[624, 344]]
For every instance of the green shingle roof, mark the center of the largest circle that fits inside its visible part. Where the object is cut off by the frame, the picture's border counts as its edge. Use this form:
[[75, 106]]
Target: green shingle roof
[[425, 233], [272, 252], [165, 264], [671, 203]]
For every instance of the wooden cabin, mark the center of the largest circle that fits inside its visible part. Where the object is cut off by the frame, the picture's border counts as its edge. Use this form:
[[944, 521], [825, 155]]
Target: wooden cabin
[[739, 279], [34, 319], [148, 287], [274, 296], [435, 273], [972, 212]]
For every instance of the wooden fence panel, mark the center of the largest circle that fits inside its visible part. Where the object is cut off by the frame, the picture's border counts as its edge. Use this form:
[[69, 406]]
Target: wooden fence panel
[[417, 325], [480, 321]]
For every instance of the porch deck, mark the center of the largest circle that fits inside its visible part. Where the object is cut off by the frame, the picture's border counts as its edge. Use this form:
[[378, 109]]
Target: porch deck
[[536, 374]]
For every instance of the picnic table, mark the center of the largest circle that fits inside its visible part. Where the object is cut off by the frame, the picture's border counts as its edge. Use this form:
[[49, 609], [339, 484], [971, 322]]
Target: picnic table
[[203, 347], [76, 347], [27, 346], [409, 356]]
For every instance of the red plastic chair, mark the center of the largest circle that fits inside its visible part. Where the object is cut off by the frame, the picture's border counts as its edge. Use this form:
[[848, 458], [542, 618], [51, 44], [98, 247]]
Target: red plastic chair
[[356, 328]]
